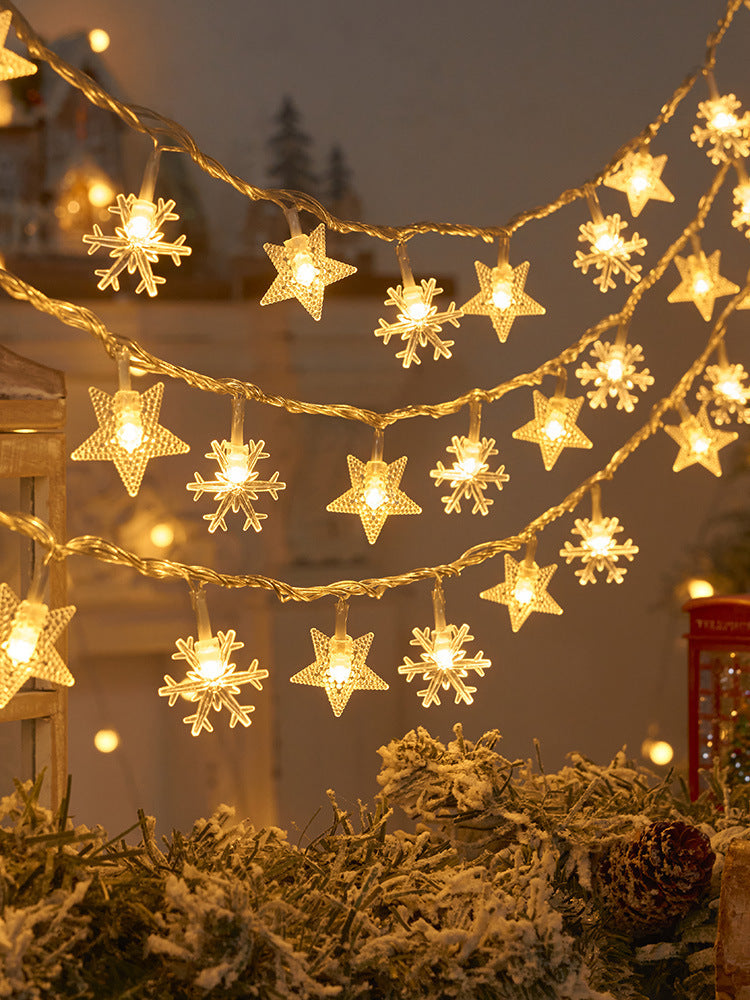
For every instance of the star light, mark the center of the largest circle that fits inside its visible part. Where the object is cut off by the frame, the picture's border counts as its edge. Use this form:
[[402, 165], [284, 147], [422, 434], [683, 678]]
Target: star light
[[502, 296], [524, 589], [727, 134], [11, 64], [609, 252], [419, 321], [554, 425], [700, 281], [598, 549], [699, 441], [639, 177], [303, 268], [375, 491], [339, 666], [726, 391], [28, 633], [469, 475], [236, 485], [443, 662], [615, 374], [129, 433]]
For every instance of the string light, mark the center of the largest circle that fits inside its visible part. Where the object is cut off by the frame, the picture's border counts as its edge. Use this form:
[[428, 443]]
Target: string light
[[339, 666], [741, 195], [98, 40], [700, 281], [443, 661], [11, 64], [609, 252], [726, 391], [615, 374], [502, 296], [236, 485], [554, 425], [727, 135], [699, 441], [639, 177], [524, 589], [598, 549]]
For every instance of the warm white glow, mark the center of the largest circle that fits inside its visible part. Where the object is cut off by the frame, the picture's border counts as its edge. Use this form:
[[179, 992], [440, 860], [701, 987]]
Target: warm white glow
[[731, 389], [374, 485], [305, 271], [600, 540], [699, 444], [101, 194], [416, 307], [237, 464], [605, 243], [554, 428], [106, 740], [470, 463], [523, 592], [141, 220], [615, 370], [25, 631], [701, 283], [723, 120], [660, 752], [442, 651], [129, 426], [502, 286], [73, 206], [210, 665], [341, 652], [639, 182], [162, 535], [98, 40], [699, 588]]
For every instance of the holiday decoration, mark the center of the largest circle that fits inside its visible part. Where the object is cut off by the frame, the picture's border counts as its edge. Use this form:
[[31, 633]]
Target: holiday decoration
[[129, 432], [212, 681], [726, 391], [609, 251], [419, 321], [700, 281], [699, 442], [741, 195], [524, 589], [615, 374], [375, 492], [502, 296], [443, 661], [639, 177], [339, 666], [236, 485], [598, 548], [469, 475], [727, 135], [11, 64], [554, 426]]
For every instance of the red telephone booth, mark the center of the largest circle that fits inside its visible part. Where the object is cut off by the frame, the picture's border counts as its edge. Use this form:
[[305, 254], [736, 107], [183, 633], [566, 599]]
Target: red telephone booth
[[718, 686]]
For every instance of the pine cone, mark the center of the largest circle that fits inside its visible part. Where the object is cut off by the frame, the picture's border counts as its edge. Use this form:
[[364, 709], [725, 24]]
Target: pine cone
[[645, 884]]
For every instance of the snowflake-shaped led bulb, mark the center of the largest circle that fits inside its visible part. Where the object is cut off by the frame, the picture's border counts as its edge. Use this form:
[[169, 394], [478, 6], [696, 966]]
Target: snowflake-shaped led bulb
[[524, 589], [443, 661], [28, 633], [339, 666], [741, 215], [639, 177], [598, 549], [501, 293], [726, 392], [470, 475], [554, 425], [419, 321], [727, 134], [303, 268], [701, 282], [609, 251], [615, 374], [699, 441]]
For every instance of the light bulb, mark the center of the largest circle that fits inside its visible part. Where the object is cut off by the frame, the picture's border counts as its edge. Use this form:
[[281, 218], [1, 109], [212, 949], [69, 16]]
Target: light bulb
[[699, 443], [374, 484], [470, 462], [341, 652], [615, 369], [304, 270], [660, 752], [141, 219], [732, 389], [554, 427], [605, 243], [25, 630], [502, 286], [100, 194], [238, 466], [523, 592], [442, 650], [599, 540], [701, 283], [639, 182], [699, 588], [416, 307], [98, 40], [210, 664], [128, 423], [106, 740], [723, 120], [162, 535]]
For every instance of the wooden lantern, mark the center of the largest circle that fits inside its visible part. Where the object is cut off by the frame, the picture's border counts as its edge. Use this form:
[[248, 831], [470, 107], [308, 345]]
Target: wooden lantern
[[32, 452], [718, 684]]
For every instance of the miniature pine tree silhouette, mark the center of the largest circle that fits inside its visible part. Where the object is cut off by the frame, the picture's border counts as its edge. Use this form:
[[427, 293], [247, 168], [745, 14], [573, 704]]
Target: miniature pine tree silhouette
[[338, 176], [291, 163]]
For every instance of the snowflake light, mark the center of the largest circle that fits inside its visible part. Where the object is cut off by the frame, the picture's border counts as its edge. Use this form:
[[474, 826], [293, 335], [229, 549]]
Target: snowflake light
[[639, 177], [375, 492], [741, 195], [726, 391], [470, 475], [236, 485], [598, 549], [339, 666], [554, 425], [28, 633], [699, 441], [700, 281], [443, 661], [303, 268], [615, 375], [129, 433], [212, 682], [11, 64], [727, 134], [609, 251], [419, 321], [524, 589], [502, 296]]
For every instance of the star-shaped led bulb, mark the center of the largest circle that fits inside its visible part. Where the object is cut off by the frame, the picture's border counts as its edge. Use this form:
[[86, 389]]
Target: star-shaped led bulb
[[502, 296], [11, 64], [236, 485], [639, 177], [701, 282], [609, 251], [699, 441], [727, 133], [615, 375], [554, 426], [598, 549], [726, 392], [524, 590]]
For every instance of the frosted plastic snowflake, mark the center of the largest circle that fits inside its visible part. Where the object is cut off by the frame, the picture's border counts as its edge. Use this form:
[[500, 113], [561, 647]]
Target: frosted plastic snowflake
[[726, 392], [741, 215], [374, 494], [700, 282], [639, 177], [236, 485], [444, 663], [469, 476], [340, 668], [598, 549], [610, 253], [524, 590], [138, 242], [419, 321], [727, 134], [502, 296], [615, 375], [699, 442], [212, 681]]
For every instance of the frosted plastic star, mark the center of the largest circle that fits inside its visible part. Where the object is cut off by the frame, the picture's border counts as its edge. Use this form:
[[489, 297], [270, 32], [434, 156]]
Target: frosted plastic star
[[339, 680], [138, 242], [105, 444], [741, 215], [699, 442], [304, 271], [444, 663], [615, 375], [469, 476], [609, 253], [701, 282], [374, 494], [11, 64], [639, 177], [524, 590], [726, 392], [236, 484], [215, 689], [554, 427], [502, 296], [45, 663], [727, 134], [418, 323], [599, 549]]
